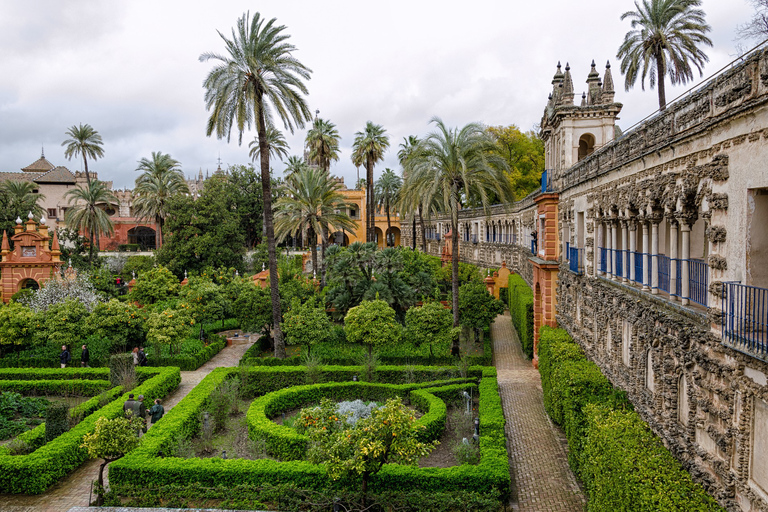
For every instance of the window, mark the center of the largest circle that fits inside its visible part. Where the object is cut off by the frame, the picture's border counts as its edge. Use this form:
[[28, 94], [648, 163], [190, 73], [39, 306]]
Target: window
[[51, 213], [586, 145], [353, 213]]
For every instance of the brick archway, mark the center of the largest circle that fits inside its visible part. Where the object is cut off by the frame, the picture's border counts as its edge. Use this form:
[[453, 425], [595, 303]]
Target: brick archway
[[30, 260]]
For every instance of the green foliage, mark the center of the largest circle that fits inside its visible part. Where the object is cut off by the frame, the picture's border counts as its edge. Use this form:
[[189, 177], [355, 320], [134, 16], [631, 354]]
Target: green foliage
[[62, 324], [306, 324], [120, 322], [111, 438], [18, 412], [103, 281], [169, 327], [626, 467], [524, 154], [205, 299], [56, 420], [521, 311], [431, 323], [253, 308], [373, 324], [53, 387], [155, 285], [477, 308], [16, 325], [137, 265], [467, 273]]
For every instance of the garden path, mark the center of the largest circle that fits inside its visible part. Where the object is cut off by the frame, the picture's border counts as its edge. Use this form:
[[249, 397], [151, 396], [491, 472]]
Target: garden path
[[541, 478], [73, 491]]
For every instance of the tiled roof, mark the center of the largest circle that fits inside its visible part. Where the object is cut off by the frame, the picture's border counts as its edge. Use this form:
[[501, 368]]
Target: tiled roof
[[40, 165], [56, 175], [19, 176]]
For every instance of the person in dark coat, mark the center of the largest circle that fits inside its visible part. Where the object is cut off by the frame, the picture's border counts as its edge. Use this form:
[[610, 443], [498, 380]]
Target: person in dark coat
[[142, 357], [85, 356], [64, 357], [156, 411], [130, 407]]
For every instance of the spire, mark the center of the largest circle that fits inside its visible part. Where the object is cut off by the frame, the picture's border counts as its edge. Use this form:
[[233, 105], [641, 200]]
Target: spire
[[42, 152], [567, 98], [557, 85], [55, 249], [593, 93], [608, 90], [6, 248], [583, 99]]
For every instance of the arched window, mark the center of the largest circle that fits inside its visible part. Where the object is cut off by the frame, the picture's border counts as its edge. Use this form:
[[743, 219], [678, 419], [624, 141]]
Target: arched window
[[586, 145]]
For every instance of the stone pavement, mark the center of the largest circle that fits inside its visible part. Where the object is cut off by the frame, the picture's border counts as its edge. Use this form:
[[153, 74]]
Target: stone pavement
[[541, 478], [73, 491]]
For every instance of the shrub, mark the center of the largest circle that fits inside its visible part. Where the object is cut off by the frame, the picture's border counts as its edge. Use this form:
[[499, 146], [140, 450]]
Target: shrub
[[521, 311], [122, 372], [306, 324], [155, 285], [373, 324], [477, 308], [56, 420]]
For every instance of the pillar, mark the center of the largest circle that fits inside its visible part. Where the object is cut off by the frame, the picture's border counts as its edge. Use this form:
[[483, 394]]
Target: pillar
[[685, 229], [654, 257], [673, 291], [646, 259]]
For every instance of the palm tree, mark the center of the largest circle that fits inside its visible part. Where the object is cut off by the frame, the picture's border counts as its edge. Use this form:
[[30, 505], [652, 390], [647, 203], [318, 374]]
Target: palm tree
[[664, 40], [411, 203], [86, 141], [294, 165], [454, 163], [86, 216], [160, 180], [259, 74], [312, 203], [323, 143], [387, 192], [276, 143], [368, 148], [21, 198]]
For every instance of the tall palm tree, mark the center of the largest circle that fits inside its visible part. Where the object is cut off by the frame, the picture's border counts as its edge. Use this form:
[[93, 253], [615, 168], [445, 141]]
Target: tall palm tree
[[408, 203], [258, 74], [278, 147], [454, 163], [387, 192], [368, 148], [293, 165], [86, 141], [160, 180], [323, 143], [664, 40], [312, 203], [20, 198], [85, 214]]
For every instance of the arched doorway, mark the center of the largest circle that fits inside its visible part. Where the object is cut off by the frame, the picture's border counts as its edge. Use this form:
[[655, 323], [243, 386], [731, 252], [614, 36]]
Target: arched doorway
[[586, 145], [393, 237], [143, 236], [379, 237], [340, 238], [29, 284]]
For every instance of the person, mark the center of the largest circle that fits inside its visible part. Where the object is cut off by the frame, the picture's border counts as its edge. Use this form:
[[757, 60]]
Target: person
[[142, 357], [85, 356], [156, 411], [64, 357], [142, 412], [535, 239], [129, 407], [135, 354]]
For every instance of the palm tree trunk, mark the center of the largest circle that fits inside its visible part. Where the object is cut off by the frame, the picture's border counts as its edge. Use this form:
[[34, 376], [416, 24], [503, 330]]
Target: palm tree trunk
[[159, 234], [423, 232], [85, 166], [455, 261], [371, 203], [312, 236], [323, 247], [269, 227], [660, 84]]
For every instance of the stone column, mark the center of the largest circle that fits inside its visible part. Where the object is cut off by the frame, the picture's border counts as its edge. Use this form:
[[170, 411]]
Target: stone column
[[655, 257], [600, 242], [646, 259], [632, 249], [673, 291], [685, 229], [624, 254], [614, 244]]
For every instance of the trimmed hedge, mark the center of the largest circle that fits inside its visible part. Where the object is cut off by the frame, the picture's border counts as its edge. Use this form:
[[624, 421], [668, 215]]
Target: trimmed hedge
[[190, 362], [55, 387], [36, 472], [144, 467], [521, 311], [54, 373], [623, 465]]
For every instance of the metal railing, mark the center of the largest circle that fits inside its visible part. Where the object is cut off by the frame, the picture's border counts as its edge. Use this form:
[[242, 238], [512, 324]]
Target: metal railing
[[698, 281], [745, 317], [576, 260], [619, 270], [603, 259], [639, 256], [678, 278], [567, 251], [663, 262]]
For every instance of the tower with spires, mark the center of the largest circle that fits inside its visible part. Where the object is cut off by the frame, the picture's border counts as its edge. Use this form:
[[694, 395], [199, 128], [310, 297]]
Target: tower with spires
[[570, 131]]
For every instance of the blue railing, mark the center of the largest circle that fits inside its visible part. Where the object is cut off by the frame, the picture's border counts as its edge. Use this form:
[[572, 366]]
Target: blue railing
[[639, 256], [576, 260], [437, 236], [533, 246], [567, 251], [745, 317], [698, 281], [603, 259], [678, 278], [543, 181], [619, 270], [663, 262]]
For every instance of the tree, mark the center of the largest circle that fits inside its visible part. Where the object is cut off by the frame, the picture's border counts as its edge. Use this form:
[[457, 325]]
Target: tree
[[204, 298], [369, 147], [86, 216], [477, 308], [322, 141], [17, 199], [110, 440], [757, 27], [248, 202], [258, 76], [430, 323], [169, 327], [155, 285], [294, 165], [388, 435], [119, 322], [387, 192], [524, 154], [62, 323], [664, 40], [411, 204], [276, 144], [313, 204], [452, 162], [16, 325], [160, 180], [372, 323], [83, 140], [56, 291], [306, 324], [253, 309], [204, 232]]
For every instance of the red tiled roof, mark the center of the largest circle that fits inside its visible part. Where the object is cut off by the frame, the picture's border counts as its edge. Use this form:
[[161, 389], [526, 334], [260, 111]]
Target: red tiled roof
[[40, 165]]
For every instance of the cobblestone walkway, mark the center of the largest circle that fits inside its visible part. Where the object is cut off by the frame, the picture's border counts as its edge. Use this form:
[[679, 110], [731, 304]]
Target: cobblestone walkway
[[541, 478], [73, 490]]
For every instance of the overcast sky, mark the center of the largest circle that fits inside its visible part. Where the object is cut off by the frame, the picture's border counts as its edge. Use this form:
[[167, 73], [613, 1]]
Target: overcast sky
[[131, 70]]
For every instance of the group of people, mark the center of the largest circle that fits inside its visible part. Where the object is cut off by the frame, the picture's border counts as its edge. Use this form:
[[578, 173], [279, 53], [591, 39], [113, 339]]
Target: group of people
[[65, 357], [137, 409], [139, 356]]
